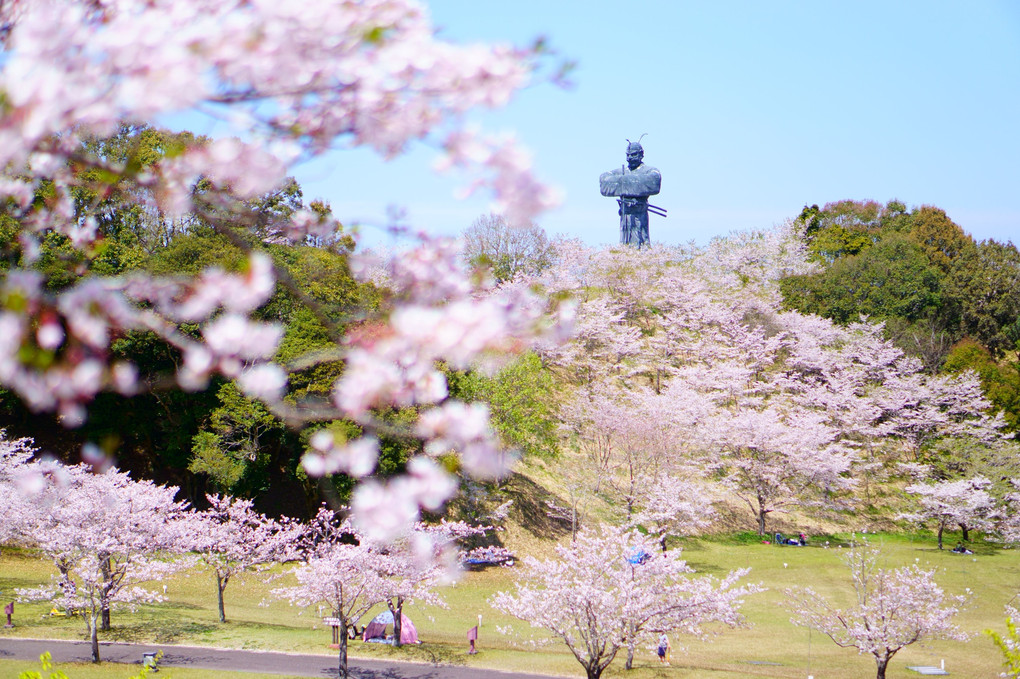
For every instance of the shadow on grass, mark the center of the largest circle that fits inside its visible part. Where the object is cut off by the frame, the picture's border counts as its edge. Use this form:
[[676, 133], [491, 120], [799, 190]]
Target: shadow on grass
[[10, 584], [434, 654], [178, 606], [976, 549], [256, 626], [159, 630], [686, 544], [531, 509], [365, 673], [702, 568]]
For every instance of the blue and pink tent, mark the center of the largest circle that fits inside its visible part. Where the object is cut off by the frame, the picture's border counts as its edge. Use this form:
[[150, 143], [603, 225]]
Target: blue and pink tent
[[376, 630]]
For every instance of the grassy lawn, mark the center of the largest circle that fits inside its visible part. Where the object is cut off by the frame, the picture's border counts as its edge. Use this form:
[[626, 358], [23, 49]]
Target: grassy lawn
[[11, 668], [769, 647]]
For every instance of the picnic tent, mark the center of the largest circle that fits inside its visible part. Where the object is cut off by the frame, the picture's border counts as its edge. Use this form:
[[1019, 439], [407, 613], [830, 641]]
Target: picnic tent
[[376, 630]]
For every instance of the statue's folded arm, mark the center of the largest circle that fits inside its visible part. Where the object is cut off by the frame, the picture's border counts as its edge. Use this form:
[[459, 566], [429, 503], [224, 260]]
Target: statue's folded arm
[[642, 182]]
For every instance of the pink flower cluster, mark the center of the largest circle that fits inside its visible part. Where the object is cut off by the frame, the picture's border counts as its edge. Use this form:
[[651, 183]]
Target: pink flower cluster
[[384, 510], [293, 80], [69, 335], [442, 317]]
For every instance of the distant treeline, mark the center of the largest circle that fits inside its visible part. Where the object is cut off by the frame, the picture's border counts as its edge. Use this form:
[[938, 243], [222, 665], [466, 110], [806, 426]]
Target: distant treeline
[[950, 301]]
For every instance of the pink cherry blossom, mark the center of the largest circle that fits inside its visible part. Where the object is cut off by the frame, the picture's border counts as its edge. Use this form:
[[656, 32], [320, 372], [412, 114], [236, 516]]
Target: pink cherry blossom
[[611, 589], [106, 534], [357, 458], [342, 577], [963, 502], [894, 608], [231, 538]]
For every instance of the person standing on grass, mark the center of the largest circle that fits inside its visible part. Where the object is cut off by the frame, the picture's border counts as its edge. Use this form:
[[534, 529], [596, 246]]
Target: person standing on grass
[[663, 649]]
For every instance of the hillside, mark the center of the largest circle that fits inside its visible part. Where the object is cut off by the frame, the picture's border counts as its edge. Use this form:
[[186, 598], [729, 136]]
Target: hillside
[[691, 383]]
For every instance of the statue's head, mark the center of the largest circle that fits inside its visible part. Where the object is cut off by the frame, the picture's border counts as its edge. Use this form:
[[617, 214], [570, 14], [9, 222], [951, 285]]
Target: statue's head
[[635, 154]]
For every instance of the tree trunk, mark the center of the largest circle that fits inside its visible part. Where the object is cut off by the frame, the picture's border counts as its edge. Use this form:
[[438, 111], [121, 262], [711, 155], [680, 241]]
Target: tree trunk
[[94, 635], [761, 522], [398, 612], [941, 528], [342, 653], [881, 667], [662, 541], [631, 638], [107, 584], [966, 534], [221, 584]]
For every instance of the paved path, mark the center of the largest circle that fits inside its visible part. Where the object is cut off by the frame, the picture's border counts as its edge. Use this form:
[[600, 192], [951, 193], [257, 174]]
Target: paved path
[[293, 664]]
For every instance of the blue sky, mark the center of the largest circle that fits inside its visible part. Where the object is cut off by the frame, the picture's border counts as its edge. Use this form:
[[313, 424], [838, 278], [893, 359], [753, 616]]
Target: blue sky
[[751, 109]]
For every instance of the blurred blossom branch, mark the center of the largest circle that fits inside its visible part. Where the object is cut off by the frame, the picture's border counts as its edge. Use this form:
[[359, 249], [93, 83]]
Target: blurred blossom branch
[[295, 81]]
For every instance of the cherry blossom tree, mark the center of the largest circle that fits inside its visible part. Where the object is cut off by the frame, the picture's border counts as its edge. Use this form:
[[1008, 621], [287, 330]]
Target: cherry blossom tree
[[412, 567], [603, 339], [406, 568], [606, 592], [230, 537], [15, 474], [964, 503], [590, 420], [673, 504], [1007, 525], [294, 82], [108, 535], [576, 475], [629, 436], [622, 447], [340, 570], [840, 371], [920, 408], [775, 458], [894, 608]]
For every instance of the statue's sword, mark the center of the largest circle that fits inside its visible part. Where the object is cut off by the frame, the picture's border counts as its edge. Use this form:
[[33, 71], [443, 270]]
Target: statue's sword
[[654, 209]]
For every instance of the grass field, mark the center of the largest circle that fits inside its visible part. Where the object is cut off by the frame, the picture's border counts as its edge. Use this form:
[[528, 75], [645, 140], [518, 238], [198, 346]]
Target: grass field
[[11, 668], [769, 647]]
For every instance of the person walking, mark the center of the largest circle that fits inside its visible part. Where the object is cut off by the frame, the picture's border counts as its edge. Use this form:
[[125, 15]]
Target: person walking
[[663, 649]]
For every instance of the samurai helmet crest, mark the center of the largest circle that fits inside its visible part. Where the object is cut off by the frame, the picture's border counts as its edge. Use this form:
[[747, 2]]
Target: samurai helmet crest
[[635, 146]]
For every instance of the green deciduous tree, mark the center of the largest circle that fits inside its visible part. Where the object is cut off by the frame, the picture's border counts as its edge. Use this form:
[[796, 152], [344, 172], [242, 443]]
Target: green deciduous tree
[[941, 240], [1008, 644], [840, 229], [917, 270], [890, 279], [984, 284], [235, 444], [520, 397]]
